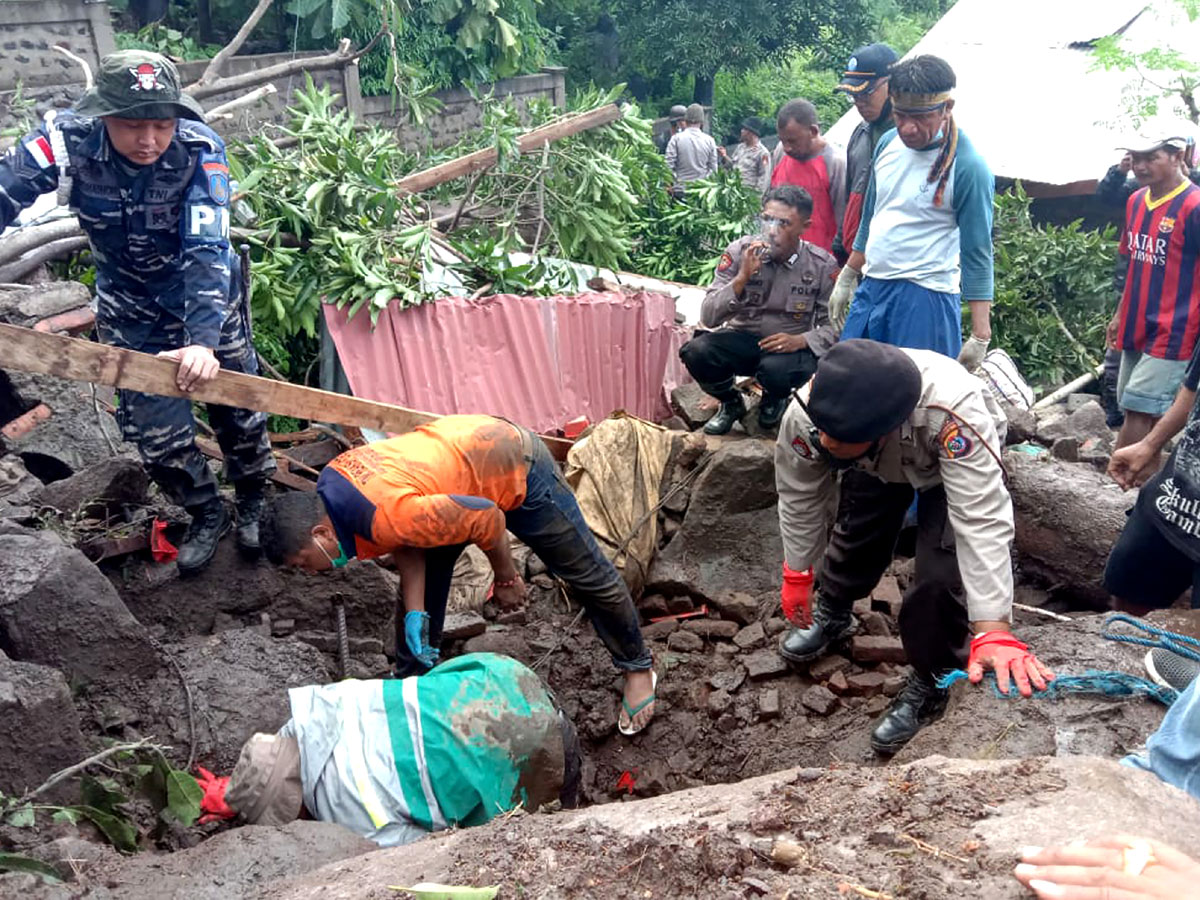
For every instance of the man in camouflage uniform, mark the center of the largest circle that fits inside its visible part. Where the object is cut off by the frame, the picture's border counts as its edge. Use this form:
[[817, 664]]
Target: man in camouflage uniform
[[768, 308], [149, 182]]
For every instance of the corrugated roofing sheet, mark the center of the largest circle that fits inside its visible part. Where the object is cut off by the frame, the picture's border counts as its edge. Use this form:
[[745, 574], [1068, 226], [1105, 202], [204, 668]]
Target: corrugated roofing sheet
[[539, 361]]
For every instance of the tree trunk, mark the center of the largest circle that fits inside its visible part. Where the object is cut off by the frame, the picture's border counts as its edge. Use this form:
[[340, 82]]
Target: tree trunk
[[204, 21], [702, 93]]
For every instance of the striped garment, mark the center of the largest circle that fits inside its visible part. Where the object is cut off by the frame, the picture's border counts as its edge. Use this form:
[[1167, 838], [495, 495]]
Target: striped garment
[[1160, 308]]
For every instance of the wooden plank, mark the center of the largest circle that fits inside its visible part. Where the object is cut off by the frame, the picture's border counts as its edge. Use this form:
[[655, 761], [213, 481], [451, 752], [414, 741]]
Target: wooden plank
[[26, 350], [531, 140], [212, 450]]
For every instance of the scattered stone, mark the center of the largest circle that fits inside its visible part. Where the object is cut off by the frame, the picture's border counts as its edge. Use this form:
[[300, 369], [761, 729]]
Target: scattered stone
[[824, 668], [692, 405], [460, 626], [676, 503], [534, 567], [765, 664], [787, 853], [727, 723], [727, 650], [819, 699], [99, 491], [739, 606], [670, 527], [775, 625], [866, 684], [875, 623], [506, 643], [728, 679], [887, 597], [327, 642], [653, 606], [883, 836], [41, 728], [513, 617], [17, 488], [1096, 451], [751, 636], [768, 704], [679, 603], [838, 683], [876, 705], [713, 629], [283, 627], [872, 649], [543, 581], [862, 606], [1066, 449], [1086, 422], [1076, 402], [685, 642], [656, 631], [674, 423], [756, 885], [718, 703], [893, 684], [73, 856], [1022, 424]]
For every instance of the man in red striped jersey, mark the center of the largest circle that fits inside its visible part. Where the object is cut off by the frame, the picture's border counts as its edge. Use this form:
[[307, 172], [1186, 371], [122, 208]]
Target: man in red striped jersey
[[1158, 320]]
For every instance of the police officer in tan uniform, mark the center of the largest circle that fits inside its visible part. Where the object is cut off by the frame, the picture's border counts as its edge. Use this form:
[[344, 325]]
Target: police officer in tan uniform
[[768, 308], [915, 420]]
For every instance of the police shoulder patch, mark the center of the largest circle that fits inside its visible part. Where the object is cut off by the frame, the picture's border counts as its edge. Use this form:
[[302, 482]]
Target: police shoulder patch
[[953, 443], [217, 174], [801, 447], [726, 262]]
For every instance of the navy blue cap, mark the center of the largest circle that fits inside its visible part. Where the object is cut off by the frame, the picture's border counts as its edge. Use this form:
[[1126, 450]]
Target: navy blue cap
[[866, 66]]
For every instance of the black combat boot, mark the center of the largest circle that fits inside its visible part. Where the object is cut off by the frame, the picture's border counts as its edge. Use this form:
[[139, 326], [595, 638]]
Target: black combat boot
[[919, 702], [733, 407], [801, 645], [770, 411], [210, 521], [250, 499]]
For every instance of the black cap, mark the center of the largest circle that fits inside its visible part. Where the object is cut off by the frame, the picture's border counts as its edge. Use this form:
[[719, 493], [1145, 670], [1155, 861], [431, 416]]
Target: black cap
[[754, 123], [863, 390], [866, 66]]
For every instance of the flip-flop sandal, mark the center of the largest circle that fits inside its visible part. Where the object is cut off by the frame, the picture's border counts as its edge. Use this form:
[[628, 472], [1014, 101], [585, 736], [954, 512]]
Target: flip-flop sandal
[[633, 711]]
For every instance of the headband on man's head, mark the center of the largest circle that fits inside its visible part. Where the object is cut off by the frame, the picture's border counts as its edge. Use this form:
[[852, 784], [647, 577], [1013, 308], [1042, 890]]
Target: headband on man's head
[[918, 103]]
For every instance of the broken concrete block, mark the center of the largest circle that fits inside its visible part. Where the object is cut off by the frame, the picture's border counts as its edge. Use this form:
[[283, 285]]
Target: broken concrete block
[[876, 705], [872, 649], [775, 625], [41, 728], [765, 664], [887, 597], [768, 704], [718, 703], [838, 683], [728, 679], [685, 642], [656, 631], [56, 608], [692, 405], [751, 636], [819, 699], [875, 623], [98, 491], [865, 684], [460, 626], [737, 605], [713, 629], [824, 668]]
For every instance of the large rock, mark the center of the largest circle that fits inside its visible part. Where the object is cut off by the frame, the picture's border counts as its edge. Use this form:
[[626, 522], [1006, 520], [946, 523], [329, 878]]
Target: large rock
[[729, 540], [41, 733], [97, 491], [17, 487], [27, 304], [1088, 421], [1068, 517], [74, 437], [56, 608], [692, 405], [239, 682]]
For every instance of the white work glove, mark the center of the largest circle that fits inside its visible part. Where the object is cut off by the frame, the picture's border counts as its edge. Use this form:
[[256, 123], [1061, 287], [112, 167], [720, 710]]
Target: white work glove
[[972, 353], [843, 293]]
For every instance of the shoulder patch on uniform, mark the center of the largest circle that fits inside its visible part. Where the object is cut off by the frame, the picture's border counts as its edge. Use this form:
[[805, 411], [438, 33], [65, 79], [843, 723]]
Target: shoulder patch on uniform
[[952, 442], [41, 151], [801, 447], [218, 181], [726, 262]]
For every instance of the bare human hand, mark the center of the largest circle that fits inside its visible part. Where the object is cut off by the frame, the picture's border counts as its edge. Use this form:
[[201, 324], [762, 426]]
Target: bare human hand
[[1111, 333], [783, 343], [1126, 163], [752, 258], [1116, 867], [510, 595], [1132, 466], [197, 365]]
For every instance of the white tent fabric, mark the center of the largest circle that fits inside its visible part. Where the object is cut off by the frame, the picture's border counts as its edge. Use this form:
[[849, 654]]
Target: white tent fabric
[[1030, 93]]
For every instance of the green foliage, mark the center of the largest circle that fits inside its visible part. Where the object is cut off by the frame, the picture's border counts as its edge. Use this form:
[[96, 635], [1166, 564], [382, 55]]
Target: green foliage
[[165, 40], [760, 91], [1050, 281], [23, 110], [15, 862]]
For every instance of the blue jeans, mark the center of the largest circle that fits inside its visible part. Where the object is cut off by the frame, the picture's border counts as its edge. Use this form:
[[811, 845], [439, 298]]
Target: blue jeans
[[551, 524], [904, 314], [1173, 752]]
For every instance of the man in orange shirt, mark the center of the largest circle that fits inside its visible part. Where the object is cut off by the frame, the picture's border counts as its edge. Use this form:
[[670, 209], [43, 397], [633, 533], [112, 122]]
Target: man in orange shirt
[[425, 495]]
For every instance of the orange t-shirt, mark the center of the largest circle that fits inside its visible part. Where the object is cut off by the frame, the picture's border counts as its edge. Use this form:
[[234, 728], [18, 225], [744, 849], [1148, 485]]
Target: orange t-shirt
[[448, 482]]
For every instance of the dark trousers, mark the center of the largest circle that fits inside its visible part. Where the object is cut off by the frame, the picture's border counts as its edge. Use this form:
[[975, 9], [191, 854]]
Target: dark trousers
[[714, 357], [165, 431], [1146, 569], [933, 618], [552, 525]]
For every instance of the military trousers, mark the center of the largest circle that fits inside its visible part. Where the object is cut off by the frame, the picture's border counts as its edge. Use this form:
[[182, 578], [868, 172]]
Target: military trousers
[[164, 430], [933, 617], [714, 357]]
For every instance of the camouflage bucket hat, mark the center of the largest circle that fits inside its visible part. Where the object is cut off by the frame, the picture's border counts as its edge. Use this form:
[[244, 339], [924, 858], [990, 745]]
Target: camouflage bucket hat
[[138, 84], [265, 786]]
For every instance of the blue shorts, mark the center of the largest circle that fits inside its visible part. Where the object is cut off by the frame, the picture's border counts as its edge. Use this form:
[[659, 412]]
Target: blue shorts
[[905, 314], [1147, 384]]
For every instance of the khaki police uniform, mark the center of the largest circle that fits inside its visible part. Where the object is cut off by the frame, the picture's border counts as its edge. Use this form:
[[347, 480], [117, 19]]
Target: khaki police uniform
[[948, 452]]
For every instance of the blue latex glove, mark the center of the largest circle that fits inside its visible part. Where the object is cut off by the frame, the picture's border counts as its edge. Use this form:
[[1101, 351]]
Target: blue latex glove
[[416, 635]]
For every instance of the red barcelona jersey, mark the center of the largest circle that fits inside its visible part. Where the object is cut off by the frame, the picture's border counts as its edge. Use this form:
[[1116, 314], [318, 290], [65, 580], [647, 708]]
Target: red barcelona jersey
[[1160, 310]]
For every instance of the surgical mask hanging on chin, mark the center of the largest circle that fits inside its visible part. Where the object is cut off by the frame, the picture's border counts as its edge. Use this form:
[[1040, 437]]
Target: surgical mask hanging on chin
[[340, 561]]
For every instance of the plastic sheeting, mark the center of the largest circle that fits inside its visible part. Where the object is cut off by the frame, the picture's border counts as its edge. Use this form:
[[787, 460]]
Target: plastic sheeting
[[538, 361]]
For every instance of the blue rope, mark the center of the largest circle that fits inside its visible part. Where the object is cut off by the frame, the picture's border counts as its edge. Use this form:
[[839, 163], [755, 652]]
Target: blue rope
[[1110, 684], [1182, 645]]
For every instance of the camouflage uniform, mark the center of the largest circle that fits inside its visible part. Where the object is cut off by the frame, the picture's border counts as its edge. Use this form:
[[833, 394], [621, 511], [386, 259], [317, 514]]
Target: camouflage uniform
[[160, 241]]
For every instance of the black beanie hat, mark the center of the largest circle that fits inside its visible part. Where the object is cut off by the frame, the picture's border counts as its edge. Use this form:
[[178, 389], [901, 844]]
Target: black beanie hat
[[863, 390]]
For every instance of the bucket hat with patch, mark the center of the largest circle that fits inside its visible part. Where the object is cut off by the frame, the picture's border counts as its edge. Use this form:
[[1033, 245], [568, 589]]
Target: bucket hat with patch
[[138, 84]]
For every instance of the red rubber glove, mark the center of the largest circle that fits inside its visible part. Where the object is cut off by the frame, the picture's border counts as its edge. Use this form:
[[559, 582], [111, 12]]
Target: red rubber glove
[[796, 596], [1001, 652], [213, 804]]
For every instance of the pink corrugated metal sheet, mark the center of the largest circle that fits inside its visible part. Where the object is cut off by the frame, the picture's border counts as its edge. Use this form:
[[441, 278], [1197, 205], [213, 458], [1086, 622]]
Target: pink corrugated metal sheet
[[539, 361]]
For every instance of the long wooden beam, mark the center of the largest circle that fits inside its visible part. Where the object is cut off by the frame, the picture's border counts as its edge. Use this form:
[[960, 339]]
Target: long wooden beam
[[531, 140], [26, 350]]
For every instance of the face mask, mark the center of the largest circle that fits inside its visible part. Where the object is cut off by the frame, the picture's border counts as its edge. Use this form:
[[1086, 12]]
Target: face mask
[[341, 559]]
